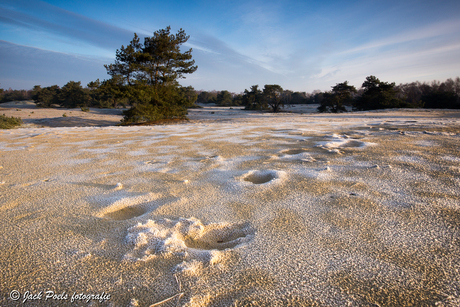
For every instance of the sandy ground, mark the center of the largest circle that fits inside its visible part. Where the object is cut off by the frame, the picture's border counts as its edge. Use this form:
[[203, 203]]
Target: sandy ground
[[233, 208], [34, 117]]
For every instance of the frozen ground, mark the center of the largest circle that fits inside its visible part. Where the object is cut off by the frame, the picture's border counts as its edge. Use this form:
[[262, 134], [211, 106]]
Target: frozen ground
[[236, 208]]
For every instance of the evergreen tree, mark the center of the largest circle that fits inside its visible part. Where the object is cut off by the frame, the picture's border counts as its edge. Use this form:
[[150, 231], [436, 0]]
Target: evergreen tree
[[159, 61], [224, 98], [272, 95], [72, 95], [126, 61], [336, 100], [45, 97], [112, 92], [298, 98], [378, 95], [207, 97], [189, 96], [147, 74], [253, 99]]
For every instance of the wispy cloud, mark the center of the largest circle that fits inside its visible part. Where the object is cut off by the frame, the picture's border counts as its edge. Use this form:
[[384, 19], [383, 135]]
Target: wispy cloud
[[43, 17], [219, 64], [395, 65], [301, 45], [29, 66], [444, 28]]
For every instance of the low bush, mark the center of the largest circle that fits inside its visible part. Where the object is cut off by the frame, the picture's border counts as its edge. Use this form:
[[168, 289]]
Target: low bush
[[9, 122]]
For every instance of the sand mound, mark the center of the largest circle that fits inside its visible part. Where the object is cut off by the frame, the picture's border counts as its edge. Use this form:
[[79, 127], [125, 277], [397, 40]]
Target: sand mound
[[184, 238], [342, 141], [297, 155]]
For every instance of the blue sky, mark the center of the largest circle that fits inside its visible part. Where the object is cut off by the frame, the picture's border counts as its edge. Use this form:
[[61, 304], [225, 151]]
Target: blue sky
[[300, 45]]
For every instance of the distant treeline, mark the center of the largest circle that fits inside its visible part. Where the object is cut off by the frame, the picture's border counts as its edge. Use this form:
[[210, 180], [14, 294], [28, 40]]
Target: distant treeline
[[226, 98], [373, 94], [105, 94], [13, 95]]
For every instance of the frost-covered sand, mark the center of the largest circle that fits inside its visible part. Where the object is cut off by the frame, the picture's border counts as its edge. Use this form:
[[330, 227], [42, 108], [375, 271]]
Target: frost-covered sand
[[236, 209]]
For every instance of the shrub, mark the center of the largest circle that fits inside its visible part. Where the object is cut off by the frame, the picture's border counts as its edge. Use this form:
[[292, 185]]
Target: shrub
[[9, 122]]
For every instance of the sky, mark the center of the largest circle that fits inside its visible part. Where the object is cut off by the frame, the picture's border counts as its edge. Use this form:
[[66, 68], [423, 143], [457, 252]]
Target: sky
[[300, 45]]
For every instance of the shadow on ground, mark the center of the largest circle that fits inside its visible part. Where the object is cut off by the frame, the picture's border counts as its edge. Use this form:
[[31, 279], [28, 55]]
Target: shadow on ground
[[74, 121]]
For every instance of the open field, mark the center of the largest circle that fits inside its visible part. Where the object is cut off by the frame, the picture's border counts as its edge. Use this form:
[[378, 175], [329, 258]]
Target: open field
[[233, 208]]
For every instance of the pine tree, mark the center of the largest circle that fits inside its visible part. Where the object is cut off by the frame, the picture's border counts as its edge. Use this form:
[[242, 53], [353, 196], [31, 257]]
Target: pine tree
[[336, 100], [157, 62], [148, 73], [272, 96]]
